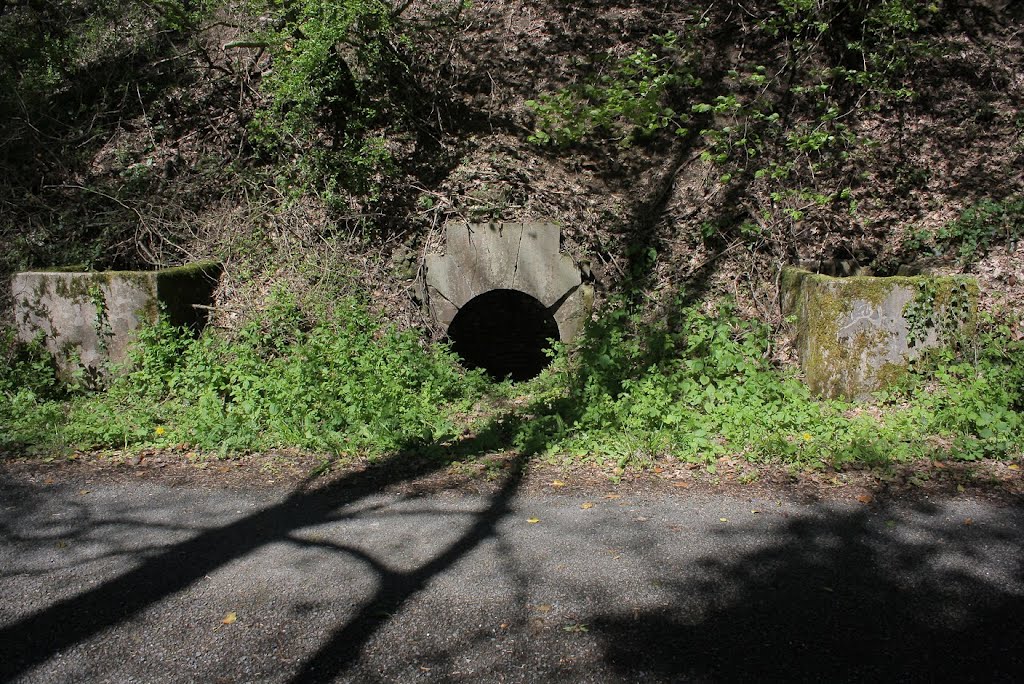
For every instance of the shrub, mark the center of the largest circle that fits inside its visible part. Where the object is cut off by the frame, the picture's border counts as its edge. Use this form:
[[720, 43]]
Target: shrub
[[30, 410], [705, 389], [325, 93]]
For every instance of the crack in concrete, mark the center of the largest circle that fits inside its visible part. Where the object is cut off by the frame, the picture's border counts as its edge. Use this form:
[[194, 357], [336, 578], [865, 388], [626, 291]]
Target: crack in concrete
[[469, 269], [442, 296], [519, 250]]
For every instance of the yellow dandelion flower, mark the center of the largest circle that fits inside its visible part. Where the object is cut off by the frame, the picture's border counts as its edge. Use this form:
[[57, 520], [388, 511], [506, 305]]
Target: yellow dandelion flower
[[160, 430], [807, 437]]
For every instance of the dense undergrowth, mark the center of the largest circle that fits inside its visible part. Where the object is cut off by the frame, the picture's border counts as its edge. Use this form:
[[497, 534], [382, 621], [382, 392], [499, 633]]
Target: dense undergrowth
[[695, 385], [347, 383], [702, 386]]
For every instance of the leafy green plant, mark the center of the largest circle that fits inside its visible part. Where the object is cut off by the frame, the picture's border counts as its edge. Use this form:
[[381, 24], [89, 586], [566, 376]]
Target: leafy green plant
[[971, 235], [975, 391], [688, 382], [637, 389], [700, 387], [184, 15], [325, 93], [344, 383], [783, 128], [30, 392], [26, 366], [626, 102], [981, 226]]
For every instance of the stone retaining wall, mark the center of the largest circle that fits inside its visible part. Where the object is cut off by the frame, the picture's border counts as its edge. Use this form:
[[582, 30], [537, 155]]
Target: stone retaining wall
[[855, 335]]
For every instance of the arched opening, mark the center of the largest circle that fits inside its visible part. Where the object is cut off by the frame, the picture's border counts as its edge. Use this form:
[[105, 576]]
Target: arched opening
[[504, 332]]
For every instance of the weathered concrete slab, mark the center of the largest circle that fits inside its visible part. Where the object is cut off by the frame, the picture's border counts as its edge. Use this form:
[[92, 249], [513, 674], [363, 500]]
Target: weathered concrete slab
[[574, 312], [88, 319], [855, 335], [479, 258]]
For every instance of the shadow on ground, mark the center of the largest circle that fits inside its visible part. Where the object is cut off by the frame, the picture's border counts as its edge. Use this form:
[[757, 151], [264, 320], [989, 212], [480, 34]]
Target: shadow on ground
[[33, 640], [887, 592], [849, 597]]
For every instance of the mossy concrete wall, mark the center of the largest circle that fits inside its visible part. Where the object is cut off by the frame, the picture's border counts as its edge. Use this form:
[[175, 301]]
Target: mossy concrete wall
[[481, 257], [88, 319], [855, 335]]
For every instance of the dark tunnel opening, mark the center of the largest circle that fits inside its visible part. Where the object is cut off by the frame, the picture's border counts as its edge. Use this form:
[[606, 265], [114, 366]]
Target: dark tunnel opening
[[504, 332]]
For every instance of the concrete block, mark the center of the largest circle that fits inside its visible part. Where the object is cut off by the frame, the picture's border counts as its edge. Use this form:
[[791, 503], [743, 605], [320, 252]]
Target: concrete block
[[525, 257], [88, 319], [855, 335]]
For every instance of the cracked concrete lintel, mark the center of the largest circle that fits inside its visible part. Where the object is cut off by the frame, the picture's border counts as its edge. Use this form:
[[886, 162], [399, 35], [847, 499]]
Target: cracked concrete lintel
[[505, 256]]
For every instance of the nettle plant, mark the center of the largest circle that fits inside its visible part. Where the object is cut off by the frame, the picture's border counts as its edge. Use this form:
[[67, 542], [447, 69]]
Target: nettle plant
[[974, 232], [696, 383], [334, 381], [626, 101]]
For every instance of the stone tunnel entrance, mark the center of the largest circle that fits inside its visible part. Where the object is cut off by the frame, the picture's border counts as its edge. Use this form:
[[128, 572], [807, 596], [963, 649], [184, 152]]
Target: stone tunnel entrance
[[502, 290], [504, 332]]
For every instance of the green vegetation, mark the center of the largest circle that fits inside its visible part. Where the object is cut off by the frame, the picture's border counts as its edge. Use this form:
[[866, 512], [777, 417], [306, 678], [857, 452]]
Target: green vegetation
[[704, 389], [330, 64], [67, 77], [703, 135], [694, 385], [974, 233], [626, 102], [121, 122], [947, 313], [971, 395], [783, 129], [346, 383]]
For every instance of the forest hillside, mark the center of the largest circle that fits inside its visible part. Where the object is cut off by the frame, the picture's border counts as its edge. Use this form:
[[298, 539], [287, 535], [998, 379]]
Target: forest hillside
[[688, 150]]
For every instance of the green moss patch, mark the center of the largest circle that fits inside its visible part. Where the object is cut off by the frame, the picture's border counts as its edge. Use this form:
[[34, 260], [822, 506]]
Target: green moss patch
[[88, 319]]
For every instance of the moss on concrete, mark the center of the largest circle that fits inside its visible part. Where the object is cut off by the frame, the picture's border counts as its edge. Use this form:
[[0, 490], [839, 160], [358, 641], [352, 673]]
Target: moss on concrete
[[889, 374], [851, 333], [92, 316]]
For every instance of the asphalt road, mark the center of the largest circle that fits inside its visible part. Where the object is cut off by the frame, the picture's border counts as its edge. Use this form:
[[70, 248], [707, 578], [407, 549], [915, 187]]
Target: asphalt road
[[146, 582]]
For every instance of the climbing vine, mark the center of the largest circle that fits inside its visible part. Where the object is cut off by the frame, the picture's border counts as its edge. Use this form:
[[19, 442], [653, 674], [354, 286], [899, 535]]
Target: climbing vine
[[946, 315], [101, 321]]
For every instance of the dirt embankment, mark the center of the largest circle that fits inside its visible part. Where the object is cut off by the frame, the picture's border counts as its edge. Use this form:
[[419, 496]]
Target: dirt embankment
[[998, 481]]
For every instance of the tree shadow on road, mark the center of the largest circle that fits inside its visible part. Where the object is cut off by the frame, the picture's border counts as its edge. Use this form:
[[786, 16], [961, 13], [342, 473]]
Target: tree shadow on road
[[838, 597], [38, 637]]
